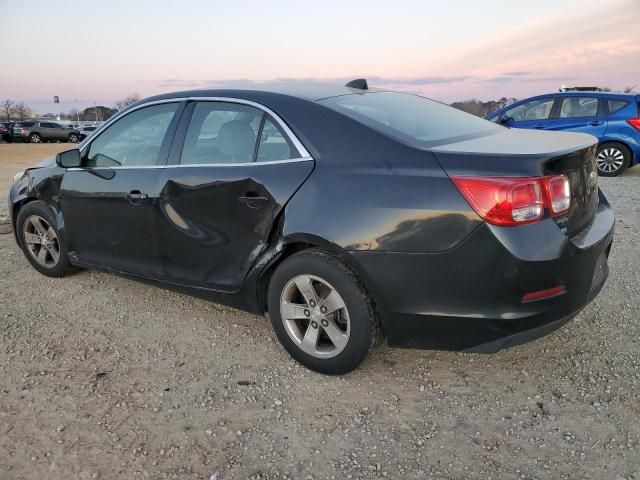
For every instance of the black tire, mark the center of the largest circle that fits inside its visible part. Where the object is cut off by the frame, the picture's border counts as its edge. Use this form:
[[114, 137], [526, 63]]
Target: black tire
[[612, 150], [73, 138], [40, 209], [35, 138], [364, 321]]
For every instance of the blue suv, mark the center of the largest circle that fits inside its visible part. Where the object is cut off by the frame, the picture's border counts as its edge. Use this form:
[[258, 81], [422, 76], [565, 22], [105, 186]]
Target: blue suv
[[611, 117]]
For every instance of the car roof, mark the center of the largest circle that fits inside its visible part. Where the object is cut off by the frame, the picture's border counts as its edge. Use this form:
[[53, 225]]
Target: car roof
[[626, 96], [303, 90]]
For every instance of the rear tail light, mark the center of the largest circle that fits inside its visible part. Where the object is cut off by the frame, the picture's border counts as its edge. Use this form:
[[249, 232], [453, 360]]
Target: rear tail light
[[544, 294], [509, 201], [635, 123]]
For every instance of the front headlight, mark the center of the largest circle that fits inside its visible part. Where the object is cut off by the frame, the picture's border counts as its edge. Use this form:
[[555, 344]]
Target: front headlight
[[18, 176]]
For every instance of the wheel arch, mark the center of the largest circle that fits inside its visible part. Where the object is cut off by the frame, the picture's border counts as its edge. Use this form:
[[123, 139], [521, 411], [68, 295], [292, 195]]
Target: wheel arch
[[300, 242]]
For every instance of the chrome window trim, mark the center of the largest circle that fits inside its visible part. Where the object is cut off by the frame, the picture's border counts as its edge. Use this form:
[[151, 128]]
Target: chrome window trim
[[304, 153], [178, 165]]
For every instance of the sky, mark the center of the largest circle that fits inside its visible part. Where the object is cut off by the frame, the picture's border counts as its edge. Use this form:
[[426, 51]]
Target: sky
[[87, 52]]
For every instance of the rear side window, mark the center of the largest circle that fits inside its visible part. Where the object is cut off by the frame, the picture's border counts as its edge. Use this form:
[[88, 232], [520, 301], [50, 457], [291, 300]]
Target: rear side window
[[410, 117], [273, 144], [535, 110], [578, 107], [25, 124], [221, 133], [615, 105]]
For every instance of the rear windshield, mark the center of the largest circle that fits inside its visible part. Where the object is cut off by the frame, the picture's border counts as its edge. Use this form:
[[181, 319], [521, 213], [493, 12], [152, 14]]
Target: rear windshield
[[411, 118]]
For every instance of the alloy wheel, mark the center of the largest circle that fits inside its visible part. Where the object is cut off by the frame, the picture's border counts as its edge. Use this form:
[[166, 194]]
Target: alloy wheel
[[34, 138], [41, 241], [610, 160], [315, 316]]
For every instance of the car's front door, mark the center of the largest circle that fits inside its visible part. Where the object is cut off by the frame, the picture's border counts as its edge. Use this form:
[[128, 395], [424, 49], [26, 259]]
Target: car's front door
[[110, 203], [235, 167], [532, 114], [579, 114]]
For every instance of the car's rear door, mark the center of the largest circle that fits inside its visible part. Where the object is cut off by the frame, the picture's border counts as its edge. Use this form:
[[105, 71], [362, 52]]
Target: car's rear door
[[110, 204], [585, 114], [233, 167]]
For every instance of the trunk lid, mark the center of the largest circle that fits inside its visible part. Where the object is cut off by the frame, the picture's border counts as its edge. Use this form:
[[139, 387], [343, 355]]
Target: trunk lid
[[531, 153]]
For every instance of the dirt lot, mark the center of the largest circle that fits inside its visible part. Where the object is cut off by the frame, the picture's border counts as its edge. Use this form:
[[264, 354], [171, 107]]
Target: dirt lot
[[107, 378]]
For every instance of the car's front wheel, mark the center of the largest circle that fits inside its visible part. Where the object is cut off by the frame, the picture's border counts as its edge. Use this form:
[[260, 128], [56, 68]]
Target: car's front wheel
[[40, 241], [612, 159], [35, 138], [74, 138], [321, 313]]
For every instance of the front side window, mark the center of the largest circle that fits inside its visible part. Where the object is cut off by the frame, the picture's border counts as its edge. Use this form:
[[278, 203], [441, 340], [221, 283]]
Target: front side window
[[274, 144], [534, 110], [579, 107], [221, 133], [410, 118], [133, 140]]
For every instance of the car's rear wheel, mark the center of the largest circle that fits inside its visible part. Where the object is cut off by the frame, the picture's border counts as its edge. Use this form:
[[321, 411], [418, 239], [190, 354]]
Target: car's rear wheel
[[612, 159], [35, 138], [321, 313], [40, 241], [73, 138]]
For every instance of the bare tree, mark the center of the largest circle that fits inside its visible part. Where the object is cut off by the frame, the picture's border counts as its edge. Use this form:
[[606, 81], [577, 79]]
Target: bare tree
[[22, 111], [630, 89], [128, 100], [7, 109]]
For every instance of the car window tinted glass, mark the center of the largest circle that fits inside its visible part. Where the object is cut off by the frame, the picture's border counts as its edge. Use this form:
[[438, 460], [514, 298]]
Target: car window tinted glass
[[409, 117], [535, 110], [274, 144], [27, 124], [615, 105], [221, 133], [579, 107], [133, 140]]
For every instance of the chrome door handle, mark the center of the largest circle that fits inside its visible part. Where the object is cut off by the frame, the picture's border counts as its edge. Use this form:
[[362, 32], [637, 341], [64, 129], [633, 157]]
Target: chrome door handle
[[136, 196]]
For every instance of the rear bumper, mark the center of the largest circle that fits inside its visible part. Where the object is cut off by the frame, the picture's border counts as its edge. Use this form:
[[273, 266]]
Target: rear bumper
[[470, 297]]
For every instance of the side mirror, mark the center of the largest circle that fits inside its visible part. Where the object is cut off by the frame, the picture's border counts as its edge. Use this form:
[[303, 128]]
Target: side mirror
[[504, 119], [69, 159]]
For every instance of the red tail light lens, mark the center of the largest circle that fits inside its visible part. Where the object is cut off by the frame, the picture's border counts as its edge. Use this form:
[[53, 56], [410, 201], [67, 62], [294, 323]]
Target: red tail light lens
[[559, 192], [635, 123], [510, 201]]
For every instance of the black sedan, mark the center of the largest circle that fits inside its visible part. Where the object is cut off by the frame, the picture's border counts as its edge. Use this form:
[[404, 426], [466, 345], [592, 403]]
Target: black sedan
[[347, 214]]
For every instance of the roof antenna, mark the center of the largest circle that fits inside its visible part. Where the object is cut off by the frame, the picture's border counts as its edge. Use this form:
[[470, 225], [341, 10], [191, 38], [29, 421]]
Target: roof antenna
[[359, 83]]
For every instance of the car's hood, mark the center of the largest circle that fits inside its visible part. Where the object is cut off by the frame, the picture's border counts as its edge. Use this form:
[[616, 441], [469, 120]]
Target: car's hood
[[47, 162]]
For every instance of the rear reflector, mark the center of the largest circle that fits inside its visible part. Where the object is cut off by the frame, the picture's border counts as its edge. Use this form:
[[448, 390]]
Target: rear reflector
[[635, 123], [543, 294], [510, 201]]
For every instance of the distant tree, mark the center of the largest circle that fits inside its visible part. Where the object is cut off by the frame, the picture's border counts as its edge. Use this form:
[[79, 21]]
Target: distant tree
[[7, 109], [97, 114], [125, 102], [482, 109], [22, 111], [73, 114]]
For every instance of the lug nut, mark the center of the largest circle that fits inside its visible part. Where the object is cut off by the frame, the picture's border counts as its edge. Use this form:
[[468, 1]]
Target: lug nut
[[306, 312], [323, 309], [312, 303], [314, 324], [324, 323]]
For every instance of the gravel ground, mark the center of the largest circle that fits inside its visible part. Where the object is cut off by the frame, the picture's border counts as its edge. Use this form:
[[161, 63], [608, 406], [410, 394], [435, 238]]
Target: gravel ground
[[104, 377]]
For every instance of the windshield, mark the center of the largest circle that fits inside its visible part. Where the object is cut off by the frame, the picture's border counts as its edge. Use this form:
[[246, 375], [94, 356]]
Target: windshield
[[411, 118]]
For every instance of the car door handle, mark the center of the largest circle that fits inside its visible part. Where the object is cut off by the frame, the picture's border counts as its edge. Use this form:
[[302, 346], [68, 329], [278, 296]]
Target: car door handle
[[540, 127], [136, 196], [595, 123], [253, 199]]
